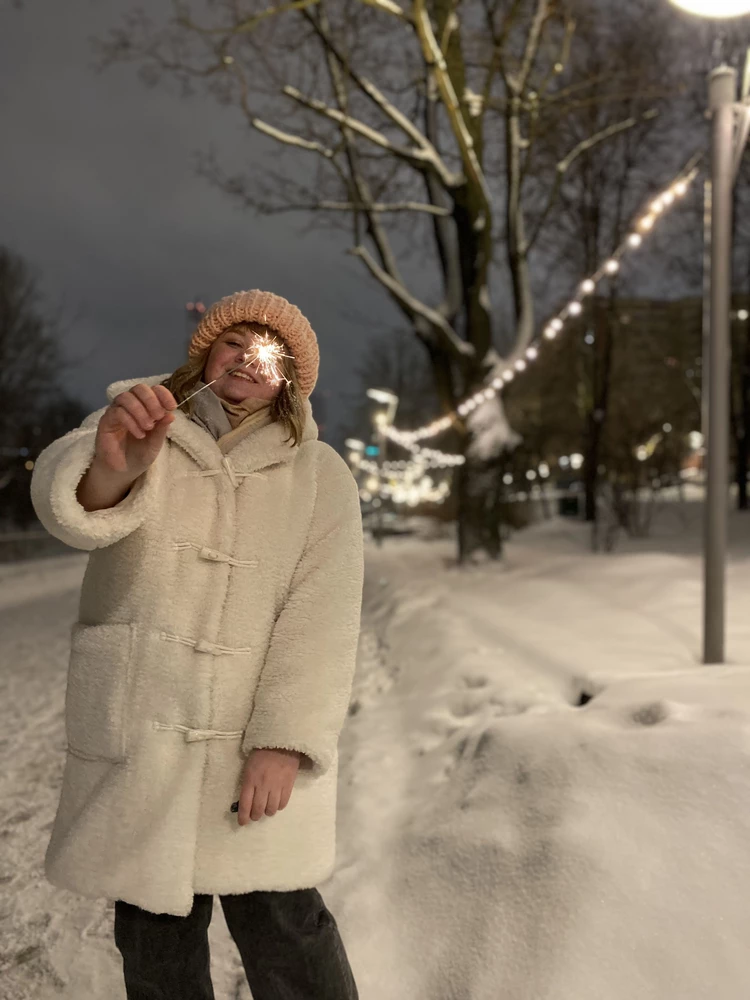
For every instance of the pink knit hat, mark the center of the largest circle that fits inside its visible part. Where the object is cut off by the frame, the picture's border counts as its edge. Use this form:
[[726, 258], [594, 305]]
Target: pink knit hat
[[272, 311]]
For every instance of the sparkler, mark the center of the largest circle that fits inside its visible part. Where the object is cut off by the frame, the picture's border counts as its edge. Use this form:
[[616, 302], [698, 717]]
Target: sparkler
[[266, 353]]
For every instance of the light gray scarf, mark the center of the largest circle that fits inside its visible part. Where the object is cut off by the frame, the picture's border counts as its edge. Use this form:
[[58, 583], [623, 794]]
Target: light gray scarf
[[209, 413]]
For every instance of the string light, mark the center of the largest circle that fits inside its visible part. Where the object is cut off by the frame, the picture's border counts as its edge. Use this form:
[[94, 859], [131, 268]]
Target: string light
[[407, 482], [657, 209]]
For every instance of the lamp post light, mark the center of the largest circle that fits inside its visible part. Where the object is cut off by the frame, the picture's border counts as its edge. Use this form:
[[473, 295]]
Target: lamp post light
[[714, 8], [727, 145], [383, 417]]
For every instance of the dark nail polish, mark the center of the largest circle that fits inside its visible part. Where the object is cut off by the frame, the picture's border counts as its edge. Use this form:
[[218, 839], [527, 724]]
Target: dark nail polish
[[235, 807]]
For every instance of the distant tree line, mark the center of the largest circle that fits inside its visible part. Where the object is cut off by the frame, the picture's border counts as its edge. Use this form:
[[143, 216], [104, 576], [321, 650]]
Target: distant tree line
[[34, 407]]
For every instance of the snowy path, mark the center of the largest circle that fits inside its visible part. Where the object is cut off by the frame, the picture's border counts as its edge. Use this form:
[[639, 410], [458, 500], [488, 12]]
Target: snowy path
[[433, 789]]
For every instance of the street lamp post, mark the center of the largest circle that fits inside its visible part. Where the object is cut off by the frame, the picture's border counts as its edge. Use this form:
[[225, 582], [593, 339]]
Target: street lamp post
[[726, 151], [722, 100], [382, 418]]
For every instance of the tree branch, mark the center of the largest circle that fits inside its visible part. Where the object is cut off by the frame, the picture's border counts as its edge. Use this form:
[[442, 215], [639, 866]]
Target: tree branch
[[434, 58], [419, 158], [564, 165], [248, 24], [459, 348], [446, 238], [389, 7], [350, 206], [290, 139], [518, 83]]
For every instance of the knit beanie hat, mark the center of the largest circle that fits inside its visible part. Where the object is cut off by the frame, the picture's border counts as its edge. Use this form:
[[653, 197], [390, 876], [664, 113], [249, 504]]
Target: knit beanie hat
[[273, 311]]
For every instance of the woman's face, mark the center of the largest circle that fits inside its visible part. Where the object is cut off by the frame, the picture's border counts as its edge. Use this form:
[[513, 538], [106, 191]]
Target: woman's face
[[248, 382]]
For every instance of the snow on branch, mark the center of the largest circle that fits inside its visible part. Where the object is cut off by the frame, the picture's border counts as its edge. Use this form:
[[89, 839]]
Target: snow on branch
[[399, 206], [290, 139], [388, 7]]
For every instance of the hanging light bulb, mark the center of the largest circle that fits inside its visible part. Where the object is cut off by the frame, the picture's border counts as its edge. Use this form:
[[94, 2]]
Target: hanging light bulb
[[575, 308], [646, 223], [588, 286], [612, 266], [635, 239], [532, 354]]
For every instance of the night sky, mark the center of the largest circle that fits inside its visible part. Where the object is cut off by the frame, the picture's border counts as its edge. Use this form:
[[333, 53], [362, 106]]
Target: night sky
[[101, 196], [99, 192]]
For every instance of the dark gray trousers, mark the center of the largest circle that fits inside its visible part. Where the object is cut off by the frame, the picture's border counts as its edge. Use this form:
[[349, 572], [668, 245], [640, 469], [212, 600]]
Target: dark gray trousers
[[289, 944]]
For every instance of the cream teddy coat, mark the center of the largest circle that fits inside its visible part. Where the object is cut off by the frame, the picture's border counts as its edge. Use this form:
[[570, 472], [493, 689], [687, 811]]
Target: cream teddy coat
[[219, 612]]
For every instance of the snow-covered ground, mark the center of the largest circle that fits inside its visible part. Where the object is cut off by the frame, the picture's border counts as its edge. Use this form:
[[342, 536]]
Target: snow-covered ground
[[496, 840]]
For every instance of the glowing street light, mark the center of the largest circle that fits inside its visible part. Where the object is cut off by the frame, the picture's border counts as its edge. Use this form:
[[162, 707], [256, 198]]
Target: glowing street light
[[714, 8]]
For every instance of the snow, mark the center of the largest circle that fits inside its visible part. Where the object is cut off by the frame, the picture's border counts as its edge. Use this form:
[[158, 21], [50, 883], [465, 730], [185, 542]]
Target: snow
[[495, 839], [491, 432]]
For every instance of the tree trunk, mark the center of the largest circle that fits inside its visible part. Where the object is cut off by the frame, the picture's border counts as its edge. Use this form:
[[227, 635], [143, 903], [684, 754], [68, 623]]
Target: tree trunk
[[602, 379], [479, 528], [743, 427]]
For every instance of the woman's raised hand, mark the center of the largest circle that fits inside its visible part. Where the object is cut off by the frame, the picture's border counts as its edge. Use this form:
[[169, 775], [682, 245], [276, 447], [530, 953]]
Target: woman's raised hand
[[133, 428]]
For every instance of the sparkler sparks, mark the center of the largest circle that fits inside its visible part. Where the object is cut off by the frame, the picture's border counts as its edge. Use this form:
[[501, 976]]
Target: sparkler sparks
[[266, 353]]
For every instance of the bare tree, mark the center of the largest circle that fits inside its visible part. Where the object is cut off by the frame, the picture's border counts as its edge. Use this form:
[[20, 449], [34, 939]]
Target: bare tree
[[33, 407], [30, 357], [426, 124], [598, 202]]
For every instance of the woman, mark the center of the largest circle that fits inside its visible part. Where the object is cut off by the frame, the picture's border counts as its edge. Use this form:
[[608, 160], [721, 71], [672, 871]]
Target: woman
[[212, 660]]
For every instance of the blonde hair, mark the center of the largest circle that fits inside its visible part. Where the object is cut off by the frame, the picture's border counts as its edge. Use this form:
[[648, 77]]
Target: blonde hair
[[286, 408]]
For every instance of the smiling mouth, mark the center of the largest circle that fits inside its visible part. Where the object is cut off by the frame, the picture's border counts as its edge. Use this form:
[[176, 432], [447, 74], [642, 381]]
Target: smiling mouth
[[243, 375]]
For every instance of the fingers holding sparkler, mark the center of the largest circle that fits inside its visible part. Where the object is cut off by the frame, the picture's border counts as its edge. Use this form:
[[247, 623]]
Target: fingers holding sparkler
[[132, 429]]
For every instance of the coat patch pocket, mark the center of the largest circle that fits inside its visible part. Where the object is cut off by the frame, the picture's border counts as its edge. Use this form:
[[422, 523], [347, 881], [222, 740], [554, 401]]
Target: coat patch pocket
[[96, 697]]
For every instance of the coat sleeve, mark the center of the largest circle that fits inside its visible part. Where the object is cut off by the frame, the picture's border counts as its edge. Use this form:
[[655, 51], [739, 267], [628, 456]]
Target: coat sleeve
[[54, 481], [305, 685]]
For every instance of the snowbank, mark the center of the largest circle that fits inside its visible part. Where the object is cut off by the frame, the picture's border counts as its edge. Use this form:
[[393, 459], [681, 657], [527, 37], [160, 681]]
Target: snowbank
[[498, 840]]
